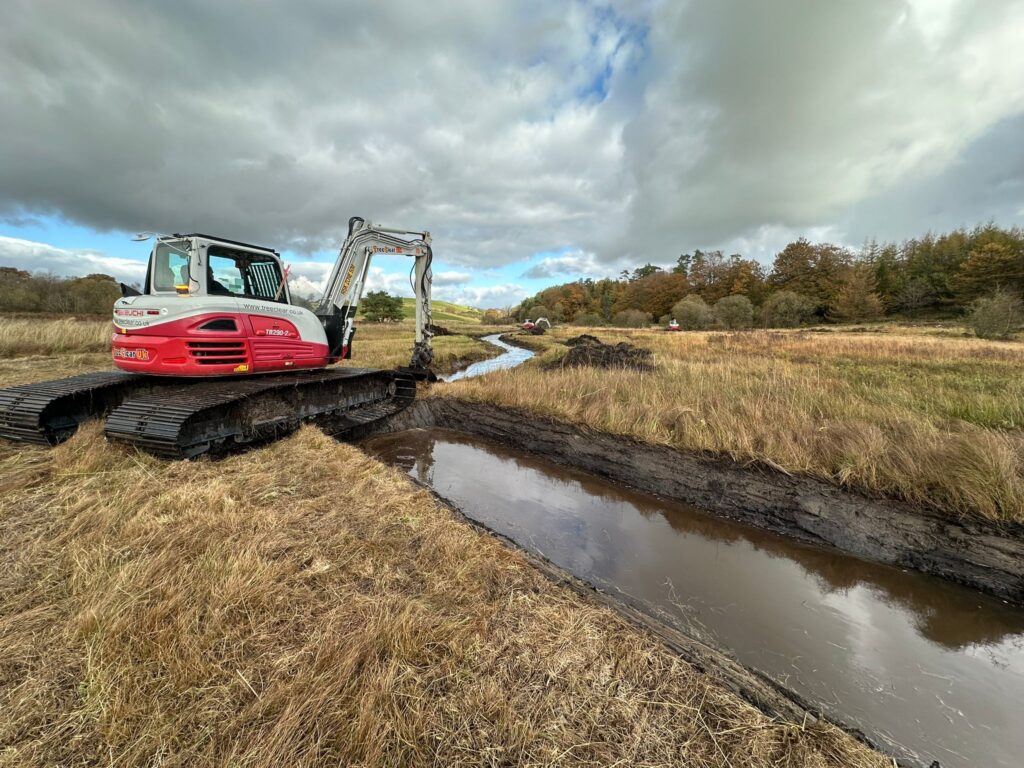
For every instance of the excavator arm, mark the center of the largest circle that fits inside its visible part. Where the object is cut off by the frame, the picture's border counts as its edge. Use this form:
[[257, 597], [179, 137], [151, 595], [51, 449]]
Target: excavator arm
[[337, 309]]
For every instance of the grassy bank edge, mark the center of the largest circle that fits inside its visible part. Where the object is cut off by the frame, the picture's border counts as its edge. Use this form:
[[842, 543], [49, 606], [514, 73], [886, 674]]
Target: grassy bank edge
[[901, 417]]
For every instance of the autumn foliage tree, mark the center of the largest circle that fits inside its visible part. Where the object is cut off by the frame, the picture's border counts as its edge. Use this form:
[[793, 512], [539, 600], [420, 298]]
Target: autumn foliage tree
[[856, 298], [654, 294], [814, 270], [712, 276], [938, 275], [990, 266]]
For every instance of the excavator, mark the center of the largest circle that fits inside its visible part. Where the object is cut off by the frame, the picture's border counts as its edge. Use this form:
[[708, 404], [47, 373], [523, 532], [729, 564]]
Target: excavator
[[214, 353]]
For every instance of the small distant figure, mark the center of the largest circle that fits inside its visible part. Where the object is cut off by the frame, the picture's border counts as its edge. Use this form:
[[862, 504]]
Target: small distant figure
[[673, 325]]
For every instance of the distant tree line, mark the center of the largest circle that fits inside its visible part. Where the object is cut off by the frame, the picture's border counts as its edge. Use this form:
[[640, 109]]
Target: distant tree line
[[21, 291], [504, 316], [935, 276]]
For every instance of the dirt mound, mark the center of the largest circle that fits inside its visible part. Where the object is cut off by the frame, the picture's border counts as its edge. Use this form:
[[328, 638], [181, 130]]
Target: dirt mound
[[590, 350], [583, 339], [440, 330]]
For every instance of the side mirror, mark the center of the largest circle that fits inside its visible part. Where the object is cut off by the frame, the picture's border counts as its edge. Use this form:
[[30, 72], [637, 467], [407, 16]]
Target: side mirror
[[127, 290]]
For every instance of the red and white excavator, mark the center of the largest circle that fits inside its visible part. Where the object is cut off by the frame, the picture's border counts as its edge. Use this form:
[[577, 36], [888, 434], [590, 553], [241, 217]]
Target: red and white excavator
[[212, 316], [215, 307], [536, 327]]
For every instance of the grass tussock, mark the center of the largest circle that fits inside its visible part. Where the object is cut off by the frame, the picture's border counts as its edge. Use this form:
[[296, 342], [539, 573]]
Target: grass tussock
[[931, 419], [24, 337], [303, 604]]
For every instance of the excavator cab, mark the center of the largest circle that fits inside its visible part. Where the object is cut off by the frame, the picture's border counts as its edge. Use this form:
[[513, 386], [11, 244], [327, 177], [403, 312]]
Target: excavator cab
[[199, 265], [215, 307], [218, 307]]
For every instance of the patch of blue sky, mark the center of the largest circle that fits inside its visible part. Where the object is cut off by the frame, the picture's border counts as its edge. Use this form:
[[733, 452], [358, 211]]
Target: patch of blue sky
[[60, 233], [626, 33]]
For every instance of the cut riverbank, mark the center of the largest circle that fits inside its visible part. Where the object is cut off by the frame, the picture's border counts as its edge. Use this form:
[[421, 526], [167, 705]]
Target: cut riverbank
[[984, 555], [926, 668]]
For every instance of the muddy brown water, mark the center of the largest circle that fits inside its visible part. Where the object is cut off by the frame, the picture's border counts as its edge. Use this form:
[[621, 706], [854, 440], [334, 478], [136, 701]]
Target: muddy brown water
[[927, 669], [510, 358]]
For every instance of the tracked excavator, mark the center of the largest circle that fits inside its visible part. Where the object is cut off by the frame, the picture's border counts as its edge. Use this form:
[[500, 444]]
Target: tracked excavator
[[214, 353]]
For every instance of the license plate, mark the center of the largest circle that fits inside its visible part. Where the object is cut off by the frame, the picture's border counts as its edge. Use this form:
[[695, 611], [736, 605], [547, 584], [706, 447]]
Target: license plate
[[131, 354]]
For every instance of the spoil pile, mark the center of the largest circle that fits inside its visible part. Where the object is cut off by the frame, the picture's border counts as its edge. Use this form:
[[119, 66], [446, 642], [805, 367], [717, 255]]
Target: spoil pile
[[584, 339], [590, 350], [439, 330]]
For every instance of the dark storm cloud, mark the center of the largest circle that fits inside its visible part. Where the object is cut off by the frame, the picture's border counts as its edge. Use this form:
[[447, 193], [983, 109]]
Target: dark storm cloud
[[633, 132], [275, 122], [986, 182], [792, 114]]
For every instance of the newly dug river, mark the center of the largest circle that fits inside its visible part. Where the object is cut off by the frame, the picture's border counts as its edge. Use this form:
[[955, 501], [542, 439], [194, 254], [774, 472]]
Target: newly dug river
[[510, 358], [927, 669]]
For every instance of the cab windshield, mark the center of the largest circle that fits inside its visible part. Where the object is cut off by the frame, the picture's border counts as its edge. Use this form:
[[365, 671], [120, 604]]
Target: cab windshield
[[170, 265], [243, 274]]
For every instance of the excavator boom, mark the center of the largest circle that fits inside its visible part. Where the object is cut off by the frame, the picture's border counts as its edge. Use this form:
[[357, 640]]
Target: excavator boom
[[348, 278]]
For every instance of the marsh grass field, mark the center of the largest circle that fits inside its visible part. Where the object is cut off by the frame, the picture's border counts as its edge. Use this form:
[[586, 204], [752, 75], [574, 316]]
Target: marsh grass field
[[304, 604], [923, 413], [928, 415]]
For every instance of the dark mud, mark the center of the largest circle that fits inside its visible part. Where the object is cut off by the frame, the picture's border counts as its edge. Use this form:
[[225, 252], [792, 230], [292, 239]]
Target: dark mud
[[977, 553], [587, 350]]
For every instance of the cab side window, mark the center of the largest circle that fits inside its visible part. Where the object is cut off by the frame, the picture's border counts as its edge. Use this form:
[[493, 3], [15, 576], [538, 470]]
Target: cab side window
[[243, 274], [224, 277]]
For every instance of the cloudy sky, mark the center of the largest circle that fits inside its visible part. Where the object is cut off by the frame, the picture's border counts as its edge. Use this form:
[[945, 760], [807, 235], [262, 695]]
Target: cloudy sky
[[538, 141]]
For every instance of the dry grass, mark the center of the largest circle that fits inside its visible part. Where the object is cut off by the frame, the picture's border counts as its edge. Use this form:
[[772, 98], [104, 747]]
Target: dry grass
[[23, 370], [387, 345], [932, 419], [303, 605], [44, 336], [920, 413], [33, 349]]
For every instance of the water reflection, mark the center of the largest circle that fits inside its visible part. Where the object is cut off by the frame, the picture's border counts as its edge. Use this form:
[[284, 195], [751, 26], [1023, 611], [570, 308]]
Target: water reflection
[[928, 669], [512, 357]]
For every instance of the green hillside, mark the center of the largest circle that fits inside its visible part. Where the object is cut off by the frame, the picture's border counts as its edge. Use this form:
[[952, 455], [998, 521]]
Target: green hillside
[[445, 312]]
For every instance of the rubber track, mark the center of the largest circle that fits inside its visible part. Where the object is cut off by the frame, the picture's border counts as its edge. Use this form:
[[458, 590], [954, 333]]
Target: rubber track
[[217, 416], [49, 412]]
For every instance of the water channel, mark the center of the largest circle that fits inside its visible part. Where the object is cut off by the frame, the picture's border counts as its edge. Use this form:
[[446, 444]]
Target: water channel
[[927, 669], [512, 357]]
